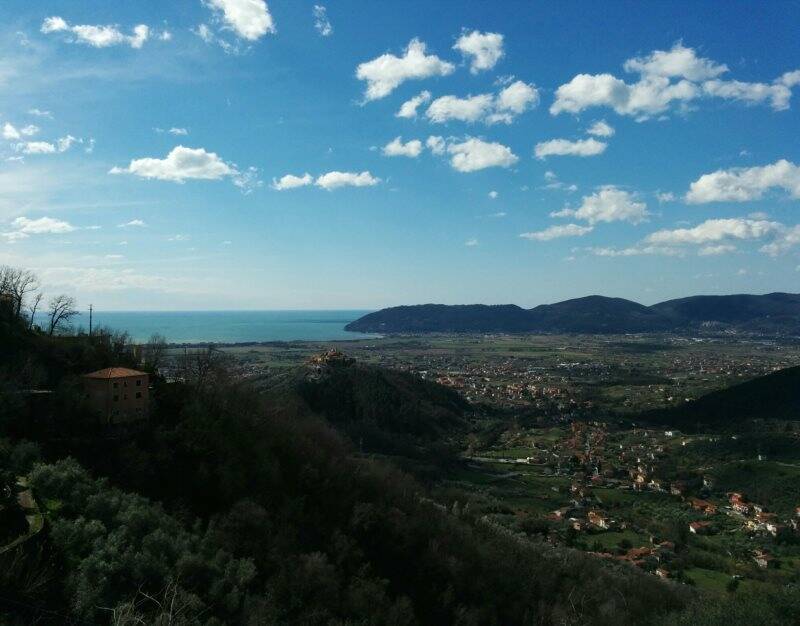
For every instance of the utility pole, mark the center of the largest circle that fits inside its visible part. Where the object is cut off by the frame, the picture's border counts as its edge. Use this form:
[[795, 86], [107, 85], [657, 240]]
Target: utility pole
[[90, 320]]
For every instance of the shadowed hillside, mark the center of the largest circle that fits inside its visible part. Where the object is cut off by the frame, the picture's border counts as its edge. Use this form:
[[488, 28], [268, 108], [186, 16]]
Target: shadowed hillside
[[775, 396]]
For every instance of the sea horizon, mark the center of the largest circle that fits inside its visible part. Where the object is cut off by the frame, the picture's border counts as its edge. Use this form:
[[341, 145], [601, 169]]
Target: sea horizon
[[227, 326]]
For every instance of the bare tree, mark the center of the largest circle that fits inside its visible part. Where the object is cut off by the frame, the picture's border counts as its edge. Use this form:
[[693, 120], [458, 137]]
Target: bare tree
[[17, 283], [154, 352], [32, 306], [61, 309]]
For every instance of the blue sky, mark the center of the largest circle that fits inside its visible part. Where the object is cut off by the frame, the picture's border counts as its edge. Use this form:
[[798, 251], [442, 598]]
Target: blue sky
[[641, 150]]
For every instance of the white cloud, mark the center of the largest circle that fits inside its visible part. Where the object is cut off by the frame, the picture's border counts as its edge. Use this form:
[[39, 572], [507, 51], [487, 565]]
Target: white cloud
[[483, 49], [10, 132], [183, 164], [555, 232], [35, 147], [133, 224], [249, 19], [601, 129], [790, 79], [516, 98], [665, 196], [321, 21], [493, 194], [679, 62], [97, 36], [471, 243], [609, 204], [666, 78], [436, 144], [717, 250], [636, 251], [409, 108], [743, 184], [469, 109], [396, 147], [565, 147], [40, 113], [334, 180], [715, 230], [513, 100], [387, 72], [290, 181], [178, 131], [777, 94], [474, 154], [786, 239], [23, 227]]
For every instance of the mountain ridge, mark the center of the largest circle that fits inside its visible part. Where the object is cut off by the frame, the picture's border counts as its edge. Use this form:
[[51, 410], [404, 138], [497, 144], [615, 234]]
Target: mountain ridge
[[772, 313]]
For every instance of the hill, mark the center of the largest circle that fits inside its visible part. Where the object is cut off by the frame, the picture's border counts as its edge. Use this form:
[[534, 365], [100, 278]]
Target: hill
[[775, 396], [381, 410], [775, 313], [769, 312]]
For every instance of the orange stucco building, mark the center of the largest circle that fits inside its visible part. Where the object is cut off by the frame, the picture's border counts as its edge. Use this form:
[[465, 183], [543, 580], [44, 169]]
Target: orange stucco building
[[118, 394]]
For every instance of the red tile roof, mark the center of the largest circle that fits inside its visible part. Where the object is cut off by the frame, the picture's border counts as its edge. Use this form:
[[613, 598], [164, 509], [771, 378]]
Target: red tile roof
[[115, 372]]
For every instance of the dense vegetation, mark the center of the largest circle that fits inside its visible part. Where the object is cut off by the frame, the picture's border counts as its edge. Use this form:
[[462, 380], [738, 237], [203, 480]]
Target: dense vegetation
[[770, 313]]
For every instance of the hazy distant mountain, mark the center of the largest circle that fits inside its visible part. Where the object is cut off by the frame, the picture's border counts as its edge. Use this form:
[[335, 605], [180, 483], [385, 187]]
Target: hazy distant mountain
[[770, 313], [774, 396]]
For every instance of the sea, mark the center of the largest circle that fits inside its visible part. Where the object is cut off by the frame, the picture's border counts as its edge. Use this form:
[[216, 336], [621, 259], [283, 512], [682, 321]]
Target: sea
[[227, 326]]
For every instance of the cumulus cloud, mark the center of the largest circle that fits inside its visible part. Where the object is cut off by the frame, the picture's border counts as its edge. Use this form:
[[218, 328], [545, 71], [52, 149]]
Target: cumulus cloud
[[388, 71], [133, 224], [556, 232], [321, 21], [471, 243], [474, 154], [45, 147], [335, 180], [636, 251], [10, 132], [786, 239], [745, 183], [679, 62], [511, 101], [601, 128], [40, 113], [183, 164], [289, 181], [248, 19], [23, 227], [409, 108], [715, 230], [396, 147], [483, 50], [436, 144], [97, 36], [723, 248], [565, 147], [777, 94], [667, 79], [608, 204]]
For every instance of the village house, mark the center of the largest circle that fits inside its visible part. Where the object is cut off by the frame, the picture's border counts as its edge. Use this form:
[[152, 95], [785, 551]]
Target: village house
[[704, 506], [762, 558], [677, 488], [118, 394], [700, 528], [598, 519]]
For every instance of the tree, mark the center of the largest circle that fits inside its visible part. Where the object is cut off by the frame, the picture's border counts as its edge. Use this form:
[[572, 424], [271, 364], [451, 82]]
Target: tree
[[17, 283], [62, 309], [34, 304], [154, 352]]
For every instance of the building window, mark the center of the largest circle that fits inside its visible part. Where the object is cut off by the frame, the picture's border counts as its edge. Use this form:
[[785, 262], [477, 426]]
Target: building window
[[116, 398], [139, 382], [138, 394], [116, 385], [125, 383]]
